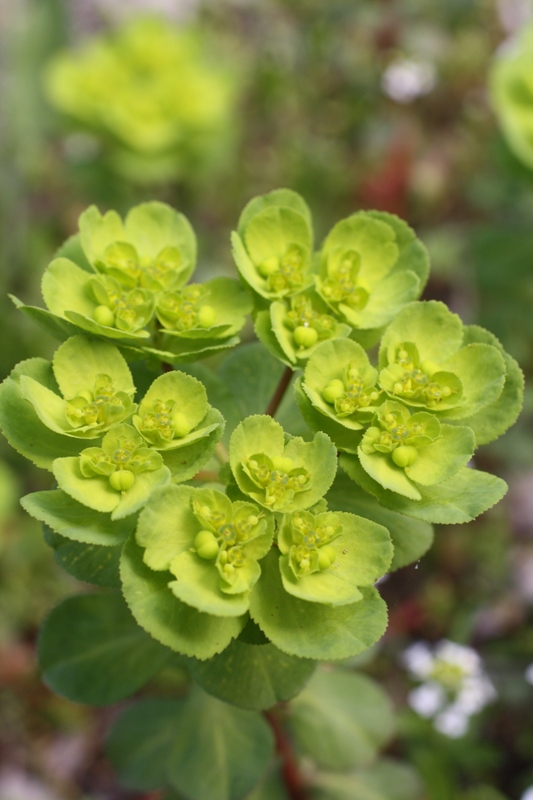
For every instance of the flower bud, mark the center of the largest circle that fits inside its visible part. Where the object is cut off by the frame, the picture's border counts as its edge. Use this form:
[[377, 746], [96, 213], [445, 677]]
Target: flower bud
[[305, 337], [206, 545], [429, 367], [206, 316], [333, 391], [326, 556], [180, 425], [283, 464], [121, 480], [268, 266], [104, 316], [404, 456]]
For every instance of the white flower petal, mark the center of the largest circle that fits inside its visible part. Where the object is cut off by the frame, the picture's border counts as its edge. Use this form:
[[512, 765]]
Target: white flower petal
[[427, 699]]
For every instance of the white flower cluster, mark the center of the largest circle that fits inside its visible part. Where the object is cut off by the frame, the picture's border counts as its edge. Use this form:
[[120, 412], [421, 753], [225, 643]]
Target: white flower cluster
[[454, 686]]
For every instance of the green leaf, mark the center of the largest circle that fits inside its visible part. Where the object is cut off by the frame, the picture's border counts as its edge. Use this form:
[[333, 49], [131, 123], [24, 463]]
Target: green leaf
[[220, 752], [387, 298], [253, 676], [75, 521], [141, 742], [411, 538], [343, 437], [206, 749], [79, 360], [89, 563], [166, 618], [261, 434], [372, 239], [363, 553], [267, 337], [20, 424], [495, 419], [64, 288], [341, 719], [73, 250], [285, 198], [198, 585], [97, 493], [437, 333], [384, 780], [413, 254], [481, 370], [313, 630], [58, 327], [460, 499], [92, 651]]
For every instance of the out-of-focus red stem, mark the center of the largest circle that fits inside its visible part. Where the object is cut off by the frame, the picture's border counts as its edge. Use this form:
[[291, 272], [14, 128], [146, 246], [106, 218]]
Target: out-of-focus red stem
[[278, 395], [294, 782]]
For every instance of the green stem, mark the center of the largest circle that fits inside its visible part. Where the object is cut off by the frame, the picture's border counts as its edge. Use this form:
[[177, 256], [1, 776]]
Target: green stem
[[278, 395]]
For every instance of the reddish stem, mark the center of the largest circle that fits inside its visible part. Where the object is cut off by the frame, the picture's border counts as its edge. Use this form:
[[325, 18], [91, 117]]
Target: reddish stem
[[281, 388], [294, 782]]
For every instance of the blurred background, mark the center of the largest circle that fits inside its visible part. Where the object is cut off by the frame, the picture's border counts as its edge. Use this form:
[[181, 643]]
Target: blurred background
[[371, 104]]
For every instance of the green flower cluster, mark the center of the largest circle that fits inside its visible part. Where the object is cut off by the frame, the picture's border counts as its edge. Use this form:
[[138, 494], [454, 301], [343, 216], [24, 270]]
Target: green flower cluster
[[277, 547], [511, 86], [370, 265], [127, 281], [152, 92], [269, 545], [51, 410], [410, 426]]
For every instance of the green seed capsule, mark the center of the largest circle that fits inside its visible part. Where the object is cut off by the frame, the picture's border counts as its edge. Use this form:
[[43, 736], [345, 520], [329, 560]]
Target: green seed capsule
[[333, 391], [269, 266], [104, 316], [180, 426], [326, 556], [404, 456], [206, 316], [283, 464], [121, 480], [206, 545], [305, 337]]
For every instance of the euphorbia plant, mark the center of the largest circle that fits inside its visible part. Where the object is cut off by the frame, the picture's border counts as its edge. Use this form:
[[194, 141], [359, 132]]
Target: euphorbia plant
[[233, 549]]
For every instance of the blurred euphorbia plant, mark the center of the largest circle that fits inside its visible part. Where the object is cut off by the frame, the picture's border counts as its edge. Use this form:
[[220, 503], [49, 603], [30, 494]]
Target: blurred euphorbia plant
[[157, 95], [228, 539]]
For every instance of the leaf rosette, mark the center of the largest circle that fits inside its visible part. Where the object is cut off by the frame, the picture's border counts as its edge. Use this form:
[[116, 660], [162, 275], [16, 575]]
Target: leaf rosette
[[370, 266], [117, 477], [425, 364], [153, 248], [96, 387], [278, 472], [327, 556], [401, 450], [210, 546], [293, 330], [338, 393], [273, 244]]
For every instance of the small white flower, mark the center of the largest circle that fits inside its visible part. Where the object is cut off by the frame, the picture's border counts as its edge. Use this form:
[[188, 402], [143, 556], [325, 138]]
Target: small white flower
[[454, 684], [528, 794], [418, 659], [475, 693], [406, 79], [452, 722], [427, 699], [528, 674], [459, 655]]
